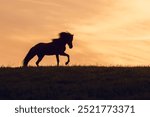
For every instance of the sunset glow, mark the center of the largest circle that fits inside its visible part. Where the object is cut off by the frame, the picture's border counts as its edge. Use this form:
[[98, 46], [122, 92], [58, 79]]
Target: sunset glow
[[107, 32]]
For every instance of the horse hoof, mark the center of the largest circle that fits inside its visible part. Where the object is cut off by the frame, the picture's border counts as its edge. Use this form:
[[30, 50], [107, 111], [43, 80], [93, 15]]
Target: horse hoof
[[66, 63]]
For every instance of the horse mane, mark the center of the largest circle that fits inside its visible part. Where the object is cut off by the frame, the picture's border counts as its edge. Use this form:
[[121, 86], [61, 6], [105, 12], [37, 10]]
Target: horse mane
[[62, 35], [55, 40]]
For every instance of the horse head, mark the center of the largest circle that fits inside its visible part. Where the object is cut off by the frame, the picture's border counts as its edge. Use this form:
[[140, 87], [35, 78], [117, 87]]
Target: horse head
[[67, 37]]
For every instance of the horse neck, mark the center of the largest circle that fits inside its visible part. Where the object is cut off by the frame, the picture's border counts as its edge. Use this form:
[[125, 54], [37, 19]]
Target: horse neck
[[62, 42]]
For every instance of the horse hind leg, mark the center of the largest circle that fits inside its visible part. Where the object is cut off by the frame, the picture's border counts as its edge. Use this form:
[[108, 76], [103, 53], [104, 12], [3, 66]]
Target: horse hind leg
[[28, 57], [40, 57]]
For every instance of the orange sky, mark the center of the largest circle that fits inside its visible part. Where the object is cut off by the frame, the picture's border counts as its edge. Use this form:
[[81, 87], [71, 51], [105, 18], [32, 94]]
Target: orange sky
[[107, 32]]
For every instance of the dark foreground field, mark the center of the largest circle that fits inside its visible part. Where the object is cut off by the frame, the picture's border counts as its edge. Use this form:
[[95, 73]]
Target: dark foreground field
[[76, 82]]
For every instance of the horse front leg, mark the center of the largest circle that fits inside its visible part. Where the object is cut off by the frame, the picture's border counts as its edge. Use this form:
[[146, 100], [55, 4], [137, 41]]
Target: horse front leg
[[64, 54], [57, 58]]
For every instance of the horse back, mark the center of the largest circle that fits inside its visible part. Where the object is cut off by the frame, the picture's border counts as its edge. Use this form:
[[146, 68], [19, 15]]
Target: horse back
[[48, 48]]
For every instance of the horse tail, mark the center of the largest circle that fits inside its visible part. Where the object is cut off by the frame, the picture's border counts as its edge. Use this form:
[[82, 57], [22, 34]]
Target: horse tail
[[29, 56]]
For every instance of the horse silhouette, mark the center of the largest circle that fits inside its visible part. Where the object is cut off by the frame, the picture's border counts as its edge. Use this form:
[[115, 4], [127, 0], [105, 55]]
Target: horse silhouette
[[56, 47]]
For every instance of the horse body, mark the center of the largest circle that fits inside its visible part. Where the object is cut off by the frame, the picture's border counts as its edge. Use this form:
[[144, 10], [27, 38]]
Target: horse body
[[56, 47]]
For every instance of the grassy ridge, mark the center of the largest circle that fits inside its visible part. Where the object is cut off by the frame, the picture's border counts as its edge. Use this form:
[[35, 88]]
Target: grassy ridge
[[76, 82]]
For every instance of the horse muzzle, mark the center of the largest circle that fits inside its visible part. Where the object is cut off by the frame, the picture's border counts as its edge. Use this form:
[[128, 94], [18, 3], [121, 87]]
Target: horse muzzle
[[71, 47]]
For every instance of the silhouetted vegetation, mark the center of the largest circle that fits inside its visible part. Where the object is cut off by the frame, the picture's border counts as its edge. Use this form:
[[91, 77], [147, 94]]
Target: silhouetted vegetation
[[76, 82]]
